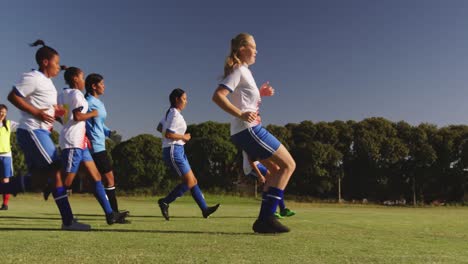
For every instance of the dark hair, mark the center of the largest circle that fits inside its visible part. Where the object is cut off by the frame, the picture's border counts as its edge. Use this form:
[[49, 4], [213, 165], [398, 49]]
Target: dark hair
[[2, 106], [44, 53], [70, 73], [176, 93], [91, 79]]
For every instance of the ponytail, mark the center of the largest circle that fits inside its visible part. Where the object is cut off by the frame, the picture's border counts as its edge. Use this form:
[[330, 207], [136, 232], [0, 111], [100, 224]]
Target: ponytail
[[176, 93], [43, 53], [233, 60]]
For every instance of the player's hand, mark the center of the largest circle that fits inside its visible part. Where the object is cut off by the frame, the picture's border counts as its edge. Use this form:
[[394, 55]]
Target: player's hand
[[94, 113], [266, 90], [187, 137], [41, 114], [261, 179], [59, 110], [249, 116]]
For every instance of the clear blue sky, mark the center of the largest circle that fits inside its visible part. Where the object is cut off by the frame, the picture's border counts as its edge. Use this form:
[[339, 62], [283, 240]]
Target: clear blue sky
[[328, 60]]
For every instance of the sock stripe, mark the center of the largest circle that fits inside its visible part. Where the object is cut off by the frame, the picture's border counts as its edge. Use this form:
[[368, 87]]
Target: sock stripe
[[274, 196], [61, 197]]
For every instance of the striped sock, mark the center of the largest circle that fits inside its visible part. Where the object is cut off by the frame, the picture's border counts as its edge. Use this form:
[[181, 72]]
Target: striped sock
[[61, 199], [270, 200], [110, 192]]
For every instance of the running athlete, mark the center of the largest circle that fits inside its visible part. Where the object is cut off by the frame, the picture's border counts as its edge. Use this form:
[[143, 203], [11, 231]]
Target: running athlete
[[36, 96], [97, 132], [173, 128], [246, 129], [74, 143]]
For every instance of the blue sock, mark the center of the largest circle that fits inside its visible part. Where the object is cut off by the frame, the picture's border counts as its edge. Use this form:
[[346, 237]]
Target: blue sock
[[101, 196], [177, 192], [198, 197], [61, 199], [270, 200], [281, 205]]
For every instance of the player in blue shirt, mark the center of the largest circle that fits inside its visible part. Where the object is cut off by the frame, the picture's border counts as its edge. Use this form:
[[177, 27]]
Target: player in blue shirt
[[97, 132]]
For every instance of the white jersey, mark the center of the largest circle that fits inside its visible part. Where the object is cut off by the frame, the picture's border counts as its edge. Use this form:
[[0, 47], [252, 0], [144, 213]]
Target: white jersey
[[246, 163], [173, 123], [73, 132], [245, 96], [38, 91]]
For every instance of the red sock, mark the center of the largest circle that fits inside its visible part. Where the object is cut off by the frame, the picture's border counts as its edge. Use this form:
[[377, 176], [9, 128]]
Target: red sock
[[6, 197]]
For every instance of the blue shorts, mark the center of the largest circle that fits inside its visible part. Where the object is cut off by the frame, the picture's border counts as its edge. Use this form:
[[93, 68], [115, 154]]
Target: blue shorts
[[38, 148], [175, 158], [72, 157], [257, 142], [263, 170], [6, 167]]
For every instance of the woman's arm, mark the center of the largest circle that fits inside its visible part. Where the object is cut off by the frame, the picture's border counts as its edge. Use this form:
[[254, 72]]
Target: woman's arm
[[22, 105], [174, 136], [78, 116], [220, 98]]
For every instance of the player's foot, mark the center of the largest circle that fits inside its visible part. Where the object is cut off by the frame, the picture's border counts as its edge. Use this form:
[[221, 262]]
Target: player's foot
[[208, 211], [76, 226], [115, 217], [46, 192], [164, 209], [269, 225], [124, 220], [4, 207], [287, 212], [278, 215]]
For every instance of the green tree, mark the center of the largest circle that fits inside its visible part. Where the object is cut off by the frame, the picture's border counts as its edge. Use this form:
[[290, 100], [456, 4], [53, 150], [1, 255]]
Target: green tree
[[138, 164]]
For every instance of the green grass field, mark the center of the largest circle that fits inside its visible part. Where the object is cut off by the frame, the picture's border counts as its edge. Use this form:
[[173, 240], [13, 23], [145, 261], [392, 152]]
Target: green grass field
[[321, 233]]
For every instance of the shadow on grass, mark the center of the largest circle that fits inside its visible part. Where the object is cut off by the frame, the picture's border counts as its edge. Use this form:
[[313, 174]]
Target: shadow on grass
[[129, 231], [29, 217], [160, 216]]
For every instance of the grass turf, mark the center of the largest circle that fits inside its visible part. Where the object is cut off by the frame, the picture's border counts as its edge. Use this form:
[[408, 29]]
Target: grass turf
[[321, 233]]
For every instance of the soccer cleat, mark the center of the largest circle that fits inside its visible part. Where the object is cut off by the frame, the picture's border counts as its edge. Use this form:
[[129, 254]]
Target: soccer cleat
[[164, 208], [46, 193], [209, 210], [123, 220], [4, 207], [269, 225], [115, 217], [286, 212], [278, 216], [76, 226]]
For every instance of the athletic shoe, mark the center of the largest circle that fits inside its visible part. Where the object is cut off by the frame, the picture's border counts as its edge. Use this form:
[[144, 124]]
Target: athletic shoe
[[123, 220], [4, 207], [286, 212], [46, 192], [76, 226], [269, 225], [278, 216], [164, 209], [115, 217], [208, 211]]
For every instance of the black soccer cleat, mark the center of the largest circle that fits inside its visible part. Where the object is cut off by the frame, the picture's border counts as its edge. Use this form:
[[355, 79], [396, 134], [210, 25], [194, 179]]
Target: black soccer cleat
[[270, 225], [115, 217], [4, 207], [210, 210], [164, 209]]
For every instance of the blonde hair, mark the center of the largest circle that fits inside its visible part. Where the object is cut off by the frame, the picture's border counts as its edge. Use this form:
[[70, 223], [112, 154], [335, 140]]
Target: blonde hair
[[232, 60]]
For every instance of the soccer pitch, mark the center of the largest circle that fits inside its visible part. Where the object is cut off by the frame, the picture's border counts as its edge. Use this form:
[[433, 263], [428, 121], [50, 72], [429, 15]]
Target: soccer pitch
[[321, 233]]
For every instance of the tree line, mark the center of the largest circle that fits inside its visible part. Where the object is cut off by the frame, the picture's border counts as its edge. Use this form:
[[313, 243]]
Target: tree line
[[373, 159]]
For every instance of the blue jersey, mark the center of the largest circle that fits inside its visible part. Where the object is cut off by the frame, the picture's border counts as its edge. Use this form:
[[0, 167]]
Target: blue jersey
[[96, 130]]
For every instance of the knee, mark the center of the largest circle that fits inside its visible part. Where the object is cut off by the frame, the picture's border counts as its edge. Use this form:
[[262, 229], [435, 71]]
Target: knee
[[291, 165]]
